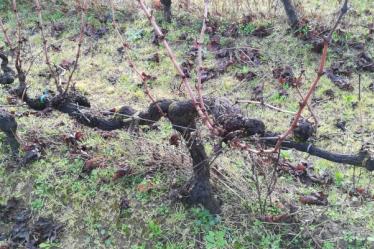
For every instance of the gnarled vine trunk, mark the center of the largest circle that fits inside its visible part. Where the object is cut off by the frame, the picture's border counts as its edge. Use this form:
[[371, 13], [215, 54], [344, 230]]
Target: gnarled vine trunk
[[291, 13], [183, 116], [167, 9], [8, 125], [7, 77]]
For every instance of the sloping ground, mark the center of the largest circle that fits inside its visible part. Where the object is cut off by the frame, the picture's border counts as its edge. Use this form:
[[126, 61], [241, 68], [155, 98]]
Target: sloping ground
[[75, 183]]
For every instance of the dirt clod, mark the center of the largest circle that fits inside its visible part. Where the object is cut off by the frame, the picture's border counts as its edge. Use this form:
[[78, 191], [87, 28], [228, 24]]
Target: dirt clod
[[24, 231], [341, 124], [365, 62]]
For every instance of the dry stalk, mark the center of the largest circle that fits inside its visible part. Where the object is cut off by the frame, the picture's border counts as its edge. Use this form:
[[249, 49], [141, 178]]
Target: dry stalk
[[313, 86], [205, 118], [83, 8], [200, 58], [298, 82], [45, 47], [21, 75], [6, 36], [144, 78], [19, 36], [265, 104]]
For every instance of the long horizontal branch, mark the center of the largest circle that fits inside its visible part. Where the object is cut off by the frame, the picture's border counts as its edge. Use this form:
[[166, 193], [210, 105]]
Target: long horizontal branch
[[182, 113], [362, 159]]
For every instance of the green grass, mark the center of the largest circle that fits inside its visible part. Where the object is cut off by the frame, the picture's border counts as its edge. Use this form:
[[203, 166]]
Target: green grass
[[89, 206]]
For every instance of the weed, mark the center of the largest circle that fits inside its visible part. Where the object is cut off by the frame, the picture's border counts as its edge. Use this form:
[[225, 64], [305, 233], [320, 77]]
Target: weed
[[215, 240], [248, 28]]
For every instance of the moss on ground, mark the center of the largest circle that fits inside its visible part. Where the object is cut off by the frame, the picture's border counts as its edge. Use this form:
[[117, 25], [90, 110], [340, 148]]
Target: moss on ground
[[89, 205]]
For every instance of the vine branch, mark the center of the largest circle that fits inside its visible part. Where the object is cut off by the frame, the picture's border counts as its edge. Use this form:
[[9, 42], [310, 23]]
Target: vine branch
[[205, 118], [83, 8], [313, 86], [144, 78], [45, 47], [200, 58]]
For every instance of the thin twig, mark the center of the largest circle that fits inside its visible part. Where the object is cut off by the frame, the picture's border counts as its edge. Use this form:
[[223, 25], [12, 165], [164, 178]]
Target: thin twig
[[45, 47], [83, 8], [265, 104], [206, 119], [308, 105], [298, 82], [200, 58], [20, 73], [313, 86], [6, 36], [144, 78]]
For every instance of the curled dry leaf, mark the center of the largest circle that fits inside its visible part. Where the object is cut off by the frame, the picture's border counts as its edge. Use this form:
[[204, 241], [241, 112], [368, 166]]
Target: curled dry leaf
[[108, 134], [318, 198], [340, 68], [22, 231], [124, 204], [258, 93], [122, 171], [371, 28], [175, 139], [262, 31], [67, 64], [92, 164], [371, 87], [73, 139], [11, 100], [341, 124], [365, 62], [245, 76], [304, 172], [145, 187], [360, 192], [57, 29], [78, 135], [339, 81], [214, 43], [283, 218], [154, 58], [208, 74], [285, 75]]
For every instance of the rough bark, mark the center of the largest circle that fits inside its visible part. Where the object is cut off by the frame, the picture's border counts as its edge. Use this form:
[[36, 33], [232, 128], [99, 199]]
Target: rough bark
[[183, 116], [364, 158], [8, 125], [291, 12], [7, 77], [167, 9], [199, 190]]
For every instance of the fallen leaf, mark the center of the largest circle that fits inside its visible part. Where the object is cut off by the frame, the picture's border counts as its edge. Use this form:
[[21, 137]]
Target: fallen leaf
[[285, 75], [283, 218], [339, 81], [365, 62], [78, 136], [145, 187], [121, 172], [67, 64], [92, 164], [318, 198], [245, 76], [262, 31], [124, 204], [174, 140]]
